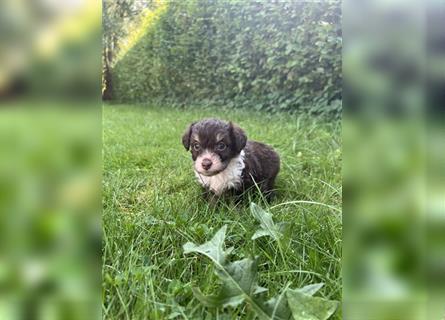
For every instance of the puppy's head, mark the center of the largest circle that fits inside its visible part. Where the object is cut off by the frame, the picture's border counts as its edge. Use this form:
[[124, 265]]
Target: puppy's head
[[213, 143]]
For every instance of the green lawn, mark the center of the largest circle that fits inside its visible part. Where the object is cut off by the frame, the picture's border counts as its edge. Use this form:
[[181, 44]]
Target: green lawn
[[153, 205]]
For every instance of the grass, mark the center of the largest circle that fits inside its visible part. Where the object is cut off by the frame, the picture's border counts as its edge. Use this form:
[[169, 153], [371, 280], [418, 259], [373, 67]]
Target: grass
[[153, 205]]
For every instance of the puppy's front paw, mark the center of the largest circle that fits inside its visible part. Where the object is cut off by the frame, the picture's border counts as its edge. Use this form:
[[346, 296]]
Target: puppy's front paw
[[211, 198]]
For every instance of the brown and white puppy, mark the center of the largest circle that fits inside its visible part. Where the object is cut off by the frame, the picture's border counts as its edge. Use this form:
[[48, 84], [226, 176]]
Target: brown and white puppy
[[225, 160]]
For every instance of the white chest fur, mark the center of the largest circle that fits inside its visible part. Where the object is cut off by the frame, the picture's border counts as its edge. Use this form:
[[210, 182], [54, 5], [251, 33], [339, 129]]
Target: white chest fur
[[227, 179]]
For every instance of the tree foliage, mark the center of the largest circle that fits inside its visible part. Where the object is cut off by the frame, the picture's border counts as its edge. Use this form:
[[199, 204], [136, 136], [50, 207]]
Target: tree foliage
[[267, 55]]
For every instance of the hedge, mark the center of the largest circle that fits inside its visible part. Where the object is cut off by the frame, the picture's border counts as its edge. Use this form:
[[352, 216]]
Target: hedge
[[268, 55]]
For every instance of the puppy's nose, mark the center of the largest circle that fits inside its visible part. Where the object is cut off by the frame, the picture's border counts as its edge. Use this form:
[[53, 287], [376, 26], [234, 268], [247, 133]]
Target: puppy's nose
[[206, 163]]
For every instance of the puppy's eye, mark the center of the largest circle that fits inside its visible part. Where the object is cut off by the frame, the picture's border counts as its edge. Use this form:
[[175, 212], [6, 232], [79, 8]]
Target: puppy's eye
[[221, 146], [196, 147]]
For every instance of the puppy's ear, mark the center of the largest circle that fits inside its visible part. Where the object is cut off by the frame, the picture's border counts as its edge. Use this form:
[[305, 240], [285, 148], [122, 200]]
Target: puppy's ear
[[238, 137], [186, 137]]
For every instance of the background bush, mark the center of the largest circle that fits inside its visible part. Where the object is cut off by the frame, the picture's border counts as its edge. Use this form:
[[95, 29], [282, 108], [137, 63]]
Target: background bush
[[266, 55]]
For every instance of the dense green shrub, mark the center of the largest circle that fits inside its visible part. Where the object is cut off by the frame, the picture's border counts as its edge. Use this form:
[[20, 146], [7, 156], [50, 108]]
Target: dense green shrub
[[267, 55]]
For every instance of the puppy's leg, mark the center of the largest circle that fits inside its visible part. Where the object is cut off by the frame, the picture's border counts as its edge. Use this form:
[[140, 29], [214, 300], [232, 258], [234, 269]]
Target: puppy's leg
[[211, 198], [268, 190], [238, 196]]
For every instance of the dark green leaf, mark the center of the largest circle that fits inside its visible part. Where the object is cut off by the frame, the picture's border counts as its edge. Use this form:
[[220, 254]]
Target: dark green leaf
[[267, 226]]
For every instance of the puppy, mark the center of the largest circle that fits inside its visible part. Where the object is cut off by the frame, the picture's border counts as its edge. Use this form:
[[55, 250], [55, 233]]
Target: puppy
[[225, 160]]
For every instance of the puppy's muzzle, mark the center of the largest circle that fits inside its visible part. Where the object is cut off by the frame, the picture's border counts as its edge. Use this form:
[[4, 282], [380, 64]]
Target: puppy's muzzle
[[206, 164]]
